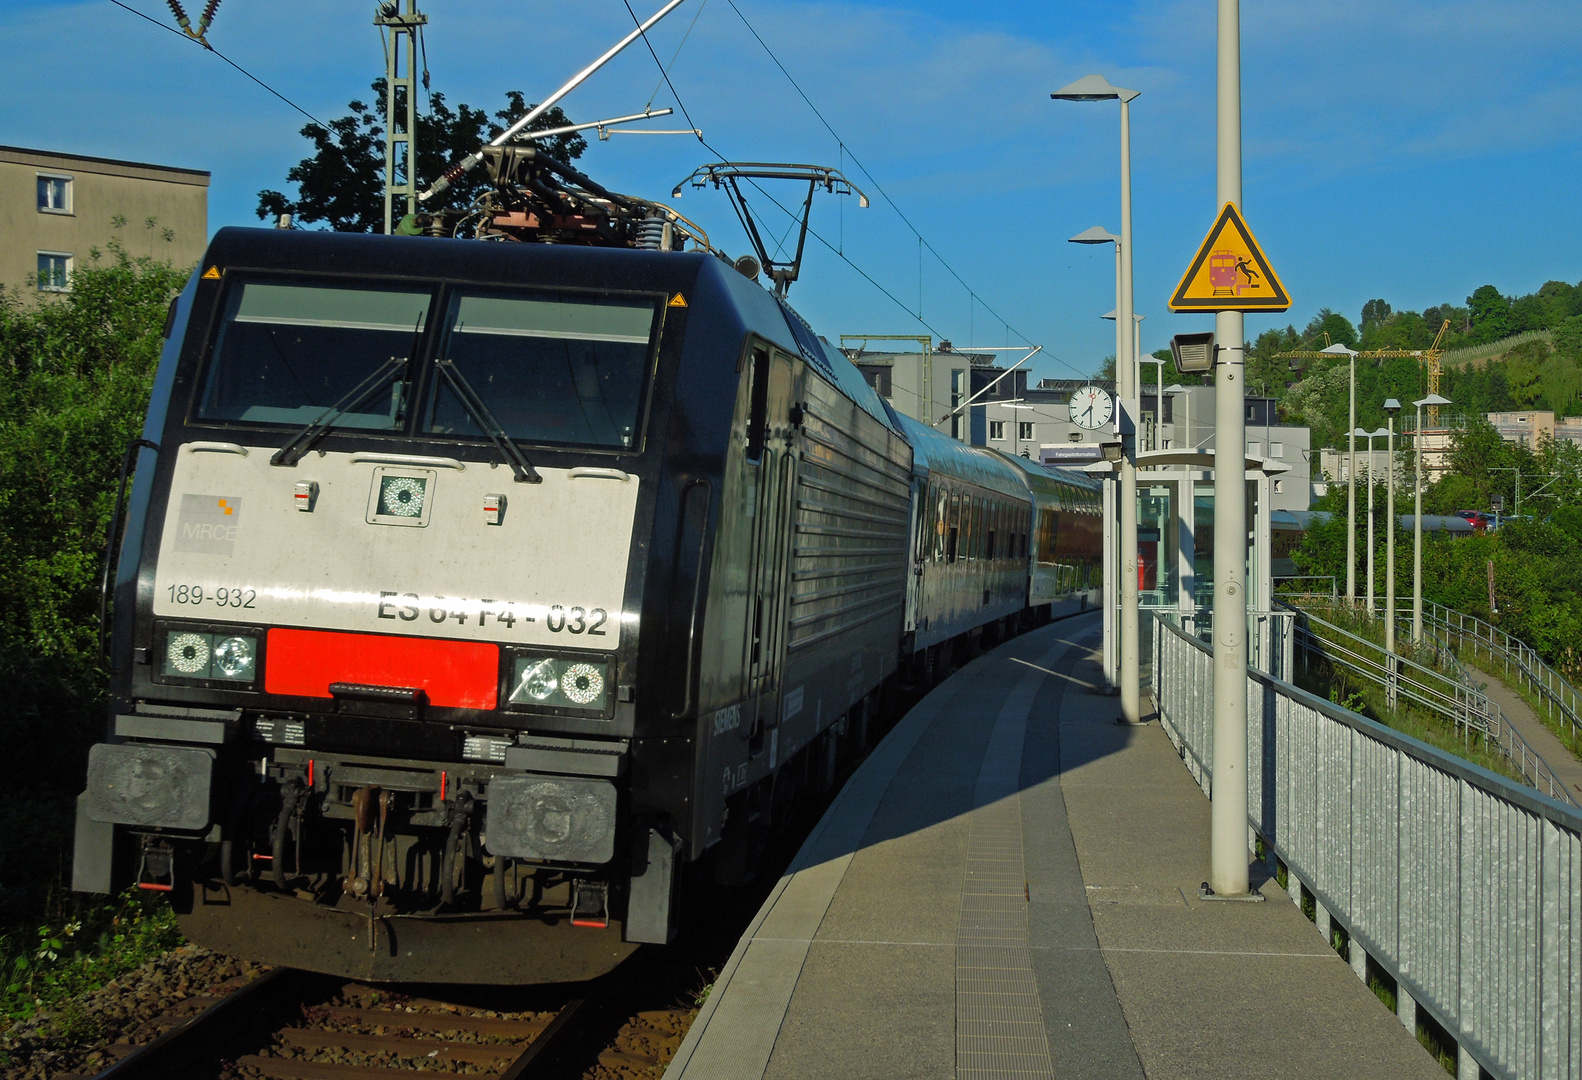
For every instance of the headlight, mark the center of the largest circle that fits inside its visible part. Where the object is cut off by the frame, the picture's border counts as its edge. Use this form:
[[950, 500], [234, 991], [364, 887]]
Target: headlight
[[233, 658], [193, 654], [188, 654], [402, 496], [583, 685]]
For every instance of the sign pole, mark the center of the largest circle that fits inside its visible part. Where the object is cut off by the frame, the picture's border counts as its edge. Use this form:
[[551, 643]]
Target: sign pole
[[1228, 858]]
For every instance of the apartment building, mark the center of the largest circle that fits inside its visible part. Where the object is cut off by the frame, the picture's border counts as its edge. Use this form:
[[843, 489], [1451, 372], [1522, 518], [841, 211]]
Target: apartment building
[[57, 208]]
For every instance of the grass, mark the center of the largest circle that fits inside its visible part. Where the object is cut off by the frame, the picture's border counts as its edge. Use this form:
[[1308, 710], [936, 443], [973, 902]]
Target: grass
[[56, 945], [1320, 676], [1483, 664]]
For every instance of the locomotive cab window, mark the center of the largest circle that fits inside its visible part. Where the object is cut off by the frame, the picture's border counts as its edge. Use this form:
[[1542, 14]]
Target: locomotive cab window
[[552, 367], [286, 353]]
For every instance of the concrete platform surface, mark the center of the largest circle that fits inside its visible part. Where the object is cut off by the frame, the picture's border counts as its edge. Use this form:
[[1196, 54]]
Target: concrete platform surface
[[1007, 887]]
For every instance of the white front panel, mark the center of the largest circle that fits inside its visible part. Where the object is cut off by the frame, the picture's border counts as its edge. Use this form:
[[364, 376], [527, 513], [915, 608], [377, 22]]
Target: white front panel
[[236, 548]]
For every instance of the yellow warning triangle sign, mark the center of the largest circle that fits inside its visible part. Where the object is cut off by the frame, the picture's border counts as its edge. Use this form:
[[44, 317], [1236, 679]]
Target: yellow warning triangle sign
[[1229, 272], [677, 301], [212, 274]]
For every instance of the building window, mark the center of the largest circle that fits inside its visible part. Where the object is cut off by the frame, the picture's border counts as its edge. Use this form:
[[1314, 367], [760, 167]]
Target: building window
[[1277, 449], [54, 271], [997, 430], [1255, 449], [1279, 487], [1024, 430], [879, 379], [54, 194]]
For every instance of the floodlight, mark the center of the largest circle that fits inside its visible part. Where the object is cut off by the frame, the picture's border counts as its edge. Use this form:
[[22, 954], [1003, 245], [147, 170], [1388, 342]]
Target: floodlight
[[1193, 353]]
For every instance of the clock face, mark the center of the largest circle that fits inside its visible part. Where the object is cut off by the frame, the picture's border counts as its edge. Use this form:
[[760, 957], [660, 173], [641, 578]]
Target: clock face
[[1091, 408]]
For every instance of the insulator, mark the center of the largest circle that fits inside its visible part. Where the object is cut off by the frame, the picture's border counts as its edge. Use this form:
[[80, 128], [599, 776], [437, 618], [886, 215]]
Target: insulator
[[651, 233], [208, 12]]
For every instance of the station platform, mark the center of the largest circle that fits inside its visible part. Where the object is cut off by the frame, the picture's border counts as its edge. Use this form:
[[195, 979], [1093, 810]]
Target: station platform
[[1008, 887]]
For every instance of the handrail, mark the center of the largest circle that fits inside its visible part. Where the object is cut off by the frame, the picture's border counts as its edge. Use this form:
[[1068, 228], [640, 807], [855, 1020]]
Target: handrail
[[1557, 694], [1453, 697], [1458, 884], [1553, 689]]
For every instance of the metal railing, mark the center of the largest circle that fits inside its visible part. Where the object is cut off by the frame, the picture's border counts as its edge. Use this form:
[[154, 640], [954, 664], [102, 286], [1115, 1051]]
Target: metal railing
[[1462, 886], [1517, 658], [1453, 696], [1270, 634]]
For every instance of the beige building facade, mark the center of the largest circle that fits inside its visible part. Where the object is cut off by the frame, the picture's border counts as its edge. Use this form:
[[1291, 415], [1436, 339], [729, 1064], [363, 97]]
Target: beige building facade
[[55, 209]]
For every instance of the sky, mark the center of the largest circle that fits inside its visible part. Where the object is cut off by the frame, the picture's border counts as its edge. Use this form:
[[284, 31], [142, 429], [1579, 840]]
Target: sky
[[1411, 150]]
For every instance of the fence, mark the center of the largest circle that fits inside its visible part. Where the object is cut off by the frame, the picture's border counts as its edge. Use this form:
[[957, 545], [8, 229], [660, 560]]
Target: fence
[[1462, 886], [1453, 696], [1517, 658], [1270, 635]]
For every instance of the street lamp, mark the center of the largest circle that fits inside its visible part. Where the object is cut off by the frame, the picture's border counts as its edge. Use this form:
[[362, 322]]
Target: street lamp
[[1338, 349], [1370, 436], [1098, 88], [1391, 407], [1137, 347], [1130, 673], [1159, 398], [1417, 523]]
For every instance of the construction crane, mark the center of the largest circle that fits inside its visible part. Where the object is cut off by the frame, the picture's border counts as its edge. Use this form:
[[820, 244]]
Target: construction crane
[[1431, 358]]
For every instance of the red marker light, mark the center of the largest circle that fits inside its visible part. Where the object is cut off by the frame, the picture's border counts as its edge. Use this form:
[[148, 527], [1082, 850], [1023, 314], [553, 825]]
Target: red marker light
[[442, 785]]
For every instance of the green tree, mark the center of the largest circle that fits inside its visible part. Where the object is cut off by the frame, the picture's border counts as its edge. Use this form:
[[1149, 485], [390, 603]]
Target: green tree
[[1490, 314], [1335, 325], [77, 368], [342, 184], [1374, 313]]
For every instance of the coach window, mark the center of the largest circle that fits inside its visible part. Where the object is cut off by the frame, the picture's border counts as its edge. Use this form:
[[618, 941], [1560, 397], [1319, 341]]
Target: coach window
[[1046, 537], [953, 533], [758, 408]]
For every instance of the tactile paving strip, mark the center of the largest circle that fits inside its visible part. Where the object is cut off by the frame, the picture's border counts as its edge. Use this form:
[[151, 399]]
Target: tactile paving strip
[[999, 1021]]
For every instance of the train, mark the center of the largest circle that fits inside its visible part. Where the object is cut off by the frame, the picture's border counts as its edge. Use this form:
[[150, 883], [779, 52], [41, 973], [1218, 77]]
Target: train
[[467, 594]]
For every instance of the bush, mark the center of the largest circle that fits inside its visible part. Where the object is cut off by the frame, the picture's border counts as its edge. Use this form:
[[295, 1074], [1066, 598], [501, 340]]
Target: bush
[[75, 372]]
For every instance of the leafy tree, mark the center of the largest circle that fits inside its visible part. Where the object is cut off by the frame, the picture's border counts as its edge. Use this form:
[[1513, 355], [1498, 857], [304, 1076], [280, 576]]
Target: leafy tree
[[1490, 314], [342, 184], [1336, 325], [1568, 338], [76, 370], [1374, 313]]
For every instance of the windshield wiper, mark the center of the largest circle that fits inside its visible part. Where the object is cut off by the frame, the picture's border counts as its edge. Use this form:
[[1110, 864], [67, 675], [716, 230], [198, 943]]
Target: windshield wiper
[[525, 473], [303, 441]]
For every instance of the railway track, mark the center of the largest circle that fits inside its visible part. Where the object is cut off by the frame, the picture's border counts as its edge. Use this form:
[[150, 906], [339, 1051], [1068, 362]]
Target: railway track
[[291, 1025]]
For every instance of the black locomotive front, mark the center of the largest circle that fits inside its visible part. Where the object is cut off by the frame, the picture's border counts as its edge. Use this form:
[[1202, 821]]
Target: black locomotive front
[[397, 603]]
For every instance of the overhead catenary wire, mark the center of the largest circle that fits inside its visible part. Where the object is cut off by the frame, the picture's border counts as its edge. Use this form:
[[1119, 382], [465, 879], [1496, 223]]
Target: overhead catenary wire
[[835, 249], [210, 48], [847, 152]]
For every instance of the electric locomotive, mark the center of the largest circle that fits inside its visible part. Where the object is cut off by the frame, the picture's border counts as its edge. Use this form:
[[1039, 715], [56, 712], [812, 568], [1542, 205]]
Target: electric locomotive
[[467, 591]]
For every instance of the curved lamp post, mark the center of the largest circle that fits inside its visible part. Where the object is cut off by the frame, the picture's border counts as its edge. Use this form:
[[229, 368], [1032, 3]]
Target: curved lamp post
[[1098, 88], [1417, 522], [1391, 407], [1352, 432]]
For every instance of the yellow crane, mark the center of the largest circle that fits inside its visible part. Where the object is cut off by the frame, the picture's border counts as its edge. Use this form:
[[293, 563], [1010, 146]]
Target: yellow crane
[[1430, 356]]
